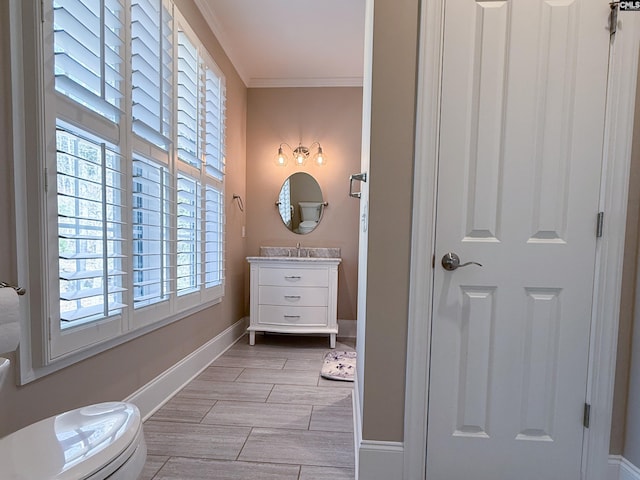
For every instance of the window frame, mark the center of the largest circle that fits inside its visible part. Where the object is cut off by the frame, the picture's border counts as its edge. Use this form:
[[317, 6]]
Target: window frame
[[45, 347]]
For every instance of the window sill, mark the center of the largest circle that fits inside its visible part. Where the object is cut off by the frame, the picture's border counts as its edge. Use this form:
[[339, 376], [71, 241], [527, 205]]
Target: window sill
[[29, 373]]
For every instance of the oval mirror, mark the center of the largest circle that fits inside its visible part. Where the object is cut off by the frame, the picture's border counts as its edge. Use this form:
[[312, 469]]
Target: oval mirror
[[300, 203]]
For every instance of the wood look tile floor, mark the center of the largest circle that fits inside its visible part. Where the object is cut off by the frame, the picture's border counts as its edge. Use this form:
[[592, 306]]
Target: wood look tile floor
[[260, 412]]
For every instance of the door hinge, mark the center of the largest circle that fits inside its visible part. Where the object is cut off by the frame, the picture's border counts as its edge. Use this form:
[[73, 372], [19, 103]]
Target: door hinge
[[599, 224], [587, 415], [433, 261], [46, 179], [613, 19]]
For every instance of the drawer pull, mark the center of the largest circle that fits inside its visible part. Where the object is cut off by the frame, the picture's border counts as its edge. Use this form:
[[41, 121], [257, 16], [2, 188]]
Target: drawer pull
[[293, 277], [292, 297], [292, 316]]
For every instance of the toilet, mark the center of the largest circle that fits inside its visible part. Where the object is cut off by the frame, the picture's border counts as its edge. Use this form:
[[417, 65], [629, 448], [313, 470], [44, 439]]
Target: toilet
[[96, 442], [310, 215]]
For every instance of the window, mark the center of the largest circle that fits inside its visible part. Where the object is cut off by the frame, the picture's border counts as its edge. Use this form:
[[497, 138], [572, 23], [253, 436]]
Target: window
[[135, 108], [90, 229], [89, 53], [151, 221], [284, 203], [152, 70]]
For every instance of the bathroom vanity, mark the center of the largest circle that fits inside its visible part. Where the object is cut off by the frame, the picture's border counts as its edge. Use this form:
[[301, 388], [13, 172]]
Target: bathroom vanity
[[294, 290]]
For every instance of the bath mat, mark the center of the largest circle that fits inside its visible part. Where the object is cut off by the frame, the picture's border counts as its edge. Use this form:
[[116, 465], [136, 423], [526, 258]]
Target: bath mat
[[339, 366]]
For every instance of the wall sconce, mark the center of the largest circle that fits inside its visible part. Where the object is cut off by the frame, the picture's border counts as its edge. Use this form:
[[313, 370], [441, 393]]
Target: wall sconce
[[300, 155]]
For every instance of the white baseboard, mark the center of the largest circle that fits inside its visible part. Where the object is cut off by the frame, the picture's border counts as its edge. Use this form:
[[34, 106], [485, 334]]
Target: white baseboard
[[357, 422], [380, 460], [375, 460], [154, 394], [347, 328], [622, 469]]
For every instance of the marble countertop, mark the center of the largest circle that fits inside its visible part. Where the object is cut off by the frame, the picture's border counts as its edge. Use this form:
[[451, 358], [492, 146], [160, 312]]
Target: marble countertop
[[293, 254]]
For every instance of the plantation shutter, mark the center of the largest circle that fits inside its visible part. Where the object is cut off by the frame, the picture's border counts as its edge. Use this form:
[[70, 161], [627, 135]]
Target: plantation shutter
[[214, 125], [151, 224], [151, 59], [90, 223], [214, 248], [189, 263], [88, 54], [189, 102]]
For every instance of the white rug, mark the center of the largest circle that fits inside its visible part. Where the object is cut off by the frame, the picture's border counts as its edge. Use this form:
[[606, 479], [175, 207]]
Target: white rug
[[339, 366]]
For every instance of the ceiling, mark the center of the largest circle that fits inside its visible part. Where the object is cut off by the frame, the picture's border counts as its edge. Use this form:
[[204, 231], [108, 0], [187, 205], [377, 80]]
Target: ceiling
[[295, 43]]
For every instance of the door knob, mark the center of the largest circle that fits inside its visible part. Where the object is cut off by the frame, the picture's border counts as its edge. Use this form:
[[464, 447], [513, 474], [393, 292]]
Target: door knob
[[451, 261]]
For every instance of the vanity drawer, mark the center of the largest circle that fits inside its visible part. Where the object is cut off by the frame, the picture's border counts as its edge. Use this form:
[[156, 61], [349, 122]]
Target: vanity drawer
[[292, 316], [295, 296], [301, 277]]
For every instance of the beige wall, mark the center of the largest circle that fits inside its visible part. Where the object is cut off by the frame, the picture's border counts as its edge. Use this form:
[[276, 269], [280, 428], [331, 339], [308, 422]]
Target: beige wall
[[628, 295], [395, 39], [625, 434], [116, 373], [332, 116]]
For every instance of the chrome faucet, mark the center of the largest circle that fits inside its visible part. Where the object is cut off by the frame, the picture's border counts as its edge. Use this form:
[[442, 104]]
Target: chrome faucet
[[298, 248]]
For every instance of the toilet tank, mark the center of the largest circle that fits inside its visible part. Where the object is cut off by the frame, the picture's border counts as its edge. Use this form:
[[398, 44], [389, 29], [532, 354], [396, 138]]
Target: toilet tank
[[310, 211]]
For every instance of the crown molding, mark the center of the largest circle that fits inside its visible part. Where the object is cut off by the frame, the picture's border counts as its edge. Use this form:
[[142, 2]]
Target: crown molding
[[218, 30], [305, 82]]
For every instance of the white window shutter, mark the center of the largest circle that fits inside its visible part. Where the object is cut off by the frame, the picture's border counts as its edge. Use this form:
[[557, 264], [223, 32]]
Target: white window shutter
[[189, 102], [214, 237], [88, 53], [152, 70], [189, 263], [151, 229], [89, 198]]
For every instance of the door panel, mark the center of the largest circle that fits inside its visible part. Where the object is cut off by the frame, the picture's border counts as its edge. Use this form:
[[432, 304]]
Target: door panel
[[522, 121]]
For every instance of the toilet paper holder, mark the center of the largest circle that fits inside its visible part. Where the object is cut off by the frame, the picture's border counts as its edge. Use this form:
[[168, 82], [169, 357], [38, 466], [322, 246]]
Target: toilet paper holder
[[19, 290]]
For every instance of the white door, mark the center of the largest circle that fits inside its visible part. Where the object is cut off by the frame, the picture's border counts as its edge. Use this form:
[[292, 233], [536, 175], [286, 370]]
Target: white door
[[522, 116]]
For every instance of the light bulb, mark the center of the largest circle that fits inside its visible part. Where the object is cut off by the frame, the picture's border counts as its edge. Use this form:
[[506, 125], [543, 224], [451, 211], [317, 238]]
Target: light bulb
[[320, 159], [281, 158]]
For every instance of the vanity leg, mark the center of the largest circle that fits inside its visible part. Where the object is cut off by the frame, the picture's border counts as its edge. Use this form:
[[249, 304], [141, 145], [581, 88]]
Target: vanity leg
[[252, 338], [332, 340]]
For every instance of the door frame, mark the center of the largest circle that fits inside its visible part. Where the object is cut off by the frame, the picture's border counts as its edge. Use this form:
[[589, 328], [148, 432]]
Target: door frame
[[618, 134]]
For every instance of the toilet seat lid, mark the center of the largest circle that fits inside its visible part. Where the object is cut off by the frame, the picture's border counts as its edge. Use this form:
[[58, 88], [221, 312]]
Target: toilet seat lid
[[72, 445], [308, 223]]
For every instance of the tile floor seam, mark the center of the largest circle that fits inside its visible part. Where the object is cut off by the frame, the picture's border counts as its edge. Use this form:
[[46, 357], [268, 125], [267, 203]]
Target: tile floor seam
[[330, 461], [161, 467], [244, 444], [266, 400]]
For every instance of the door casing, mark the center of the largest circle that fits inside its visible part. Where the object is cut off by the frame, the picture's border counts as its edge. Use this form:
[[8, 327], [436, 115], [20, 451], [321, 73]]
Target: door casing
[[610, 249]]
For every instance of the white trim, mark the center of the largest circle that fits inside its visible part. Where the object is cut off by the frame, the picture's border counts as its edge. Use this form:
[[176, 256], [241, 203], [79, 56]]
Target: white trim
[[30, 372], [380, 460], [304, 82], [150, 397], [217, 29], [613, 467], [628, 471], [374, 460], [621, 469], [620, 104], [363, 235], [422, 241], [357, 422], [621, 96]]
